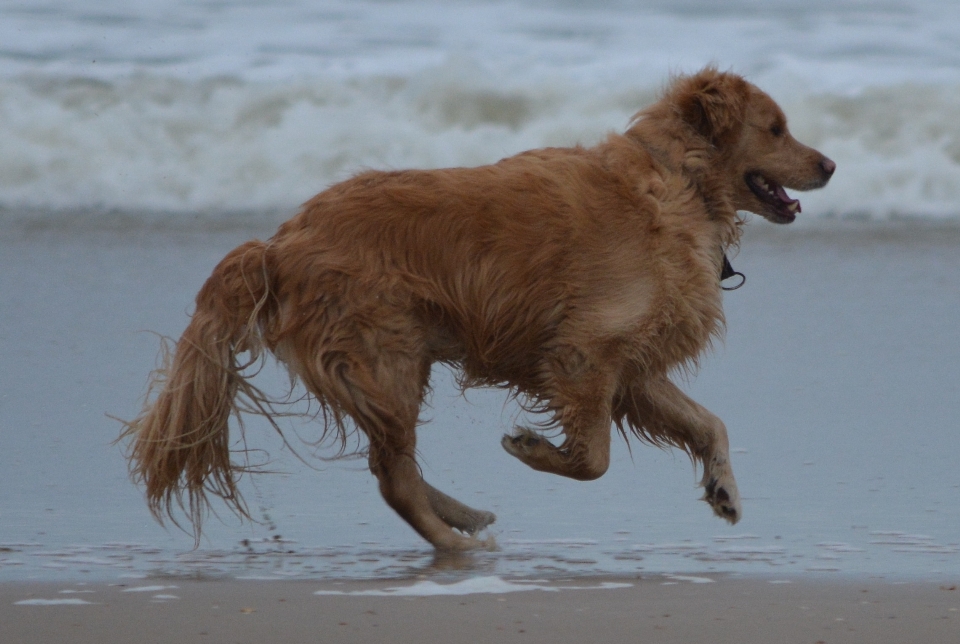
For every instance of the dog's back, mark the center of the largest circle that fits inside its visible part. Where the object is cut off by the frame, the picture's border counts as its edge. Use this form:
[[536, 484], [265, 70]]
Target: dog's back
[[500, 263]]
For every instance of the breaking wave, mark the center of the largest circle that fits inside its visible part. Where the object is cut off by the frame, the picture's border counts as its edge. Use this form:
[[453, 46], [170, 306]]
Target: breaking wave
[[150, 144]]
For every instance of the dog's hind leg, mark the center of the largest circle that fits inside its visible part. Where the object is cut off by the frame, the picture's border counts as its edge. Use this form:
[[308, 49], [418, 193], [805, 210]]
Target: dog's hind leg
[[583, 410], [658, 410], [456, 514], [378, 376], [404, 490]]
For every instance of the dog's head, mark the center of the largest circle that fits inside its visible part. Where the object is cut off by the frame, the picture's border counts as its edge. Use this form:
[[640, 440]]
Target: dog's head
[[757, 154]]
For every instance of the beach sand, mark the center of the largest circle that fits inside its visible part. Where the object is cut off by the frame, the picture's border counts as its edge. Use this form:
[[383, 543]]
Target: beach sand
[[728, 611]]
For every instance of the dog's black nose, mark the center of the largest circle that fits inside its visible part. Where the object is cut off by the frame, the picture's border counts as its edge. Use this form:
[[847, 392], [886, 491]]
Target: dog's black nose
[[827, 166]]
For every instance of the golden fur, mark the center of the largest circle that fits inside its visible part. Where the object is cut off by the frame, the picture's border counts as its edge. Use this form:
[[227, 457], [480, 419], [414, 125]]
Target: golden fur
[[577, 277]]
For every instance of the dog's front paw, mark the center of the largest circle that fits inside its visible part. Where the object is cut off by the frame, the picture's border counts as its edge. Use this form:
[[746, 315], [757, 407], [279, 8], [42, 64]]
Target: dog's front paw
[[722, 495]]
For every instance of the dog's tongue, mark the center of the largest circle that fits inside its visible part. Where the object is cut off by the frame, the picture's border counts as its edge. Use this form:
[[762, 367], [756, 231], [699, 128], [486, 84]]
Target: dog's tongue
[[785, 198]]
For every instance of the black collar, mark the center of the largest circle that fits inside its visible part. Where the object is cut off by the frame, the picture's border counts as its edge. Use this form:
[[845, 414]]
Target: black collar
[[726, 271]]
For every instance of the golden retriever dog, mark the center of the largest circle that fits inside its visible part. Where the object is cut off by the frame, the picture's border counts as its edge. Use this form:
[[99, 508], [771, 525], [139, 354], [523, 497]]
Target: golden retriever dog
[[578, 278]]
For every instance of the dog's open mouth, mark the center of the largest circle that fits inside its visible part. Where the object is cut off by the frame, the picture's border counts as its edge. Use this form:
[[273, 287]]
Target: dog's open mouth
[[773, 195]]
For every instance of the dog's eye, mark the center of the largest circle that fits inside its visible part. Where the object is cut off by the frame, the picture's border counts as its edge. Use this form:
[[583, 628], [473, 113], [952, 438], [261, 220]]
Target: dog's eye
[[776, 130]]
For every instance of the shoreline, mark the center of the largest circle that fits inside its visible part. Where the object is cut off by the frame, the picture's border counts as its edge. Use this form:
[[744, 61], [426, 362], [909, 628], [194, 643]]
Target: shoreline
[[116, 563]]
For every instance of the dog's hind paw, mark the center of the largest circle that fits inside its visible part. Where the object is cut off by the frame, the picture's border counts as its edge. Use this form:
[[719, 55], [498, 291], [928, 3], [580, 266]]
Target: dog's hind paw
[[477, 521], [522, 444], [723, 497], [457, 515]]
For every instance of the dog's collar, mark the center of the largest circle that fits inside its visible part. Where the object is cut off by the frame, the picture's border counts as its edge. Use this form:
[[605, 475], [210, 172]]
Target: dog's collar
[[726, 272]]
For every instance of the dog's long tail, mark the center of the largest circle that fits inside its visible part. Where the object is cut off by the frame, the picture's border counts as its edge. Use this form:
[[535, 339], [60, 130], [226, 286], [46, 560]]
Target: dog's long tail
[[180, 447]]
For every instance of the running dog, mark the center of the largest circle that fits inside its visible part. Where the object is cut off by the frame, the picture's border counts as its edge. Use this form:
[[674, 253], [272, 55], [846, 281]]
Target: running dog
[[579, 278]]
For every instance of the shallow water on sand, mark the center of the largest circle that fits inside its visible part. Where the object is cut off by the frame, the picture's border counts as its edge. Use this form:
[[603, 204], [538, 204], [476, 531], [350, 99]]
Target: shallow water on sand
[[837, 382]]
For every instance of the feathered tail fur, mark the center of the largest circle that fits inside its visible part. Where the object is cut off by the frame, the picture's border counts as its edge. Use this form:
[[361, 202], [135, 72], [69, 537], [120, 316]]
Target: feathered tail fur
[[180, 447]]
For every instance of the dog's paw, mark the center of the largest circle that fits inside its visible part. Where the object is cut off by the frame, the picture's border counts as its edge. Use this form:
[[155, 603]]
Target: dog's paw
[[722, 495], [522, 444], [476, 522]]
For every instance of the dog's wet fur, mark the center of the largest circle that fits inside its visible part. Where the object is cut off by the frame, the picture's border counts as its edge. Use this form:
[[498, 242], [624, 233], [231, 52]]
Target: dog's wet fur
[[579, 278]]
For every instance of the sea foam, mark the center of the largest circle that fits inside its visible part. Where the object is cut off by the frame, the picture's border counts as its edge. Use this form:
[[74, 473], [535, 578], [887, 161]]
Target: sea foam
[[155, 144]]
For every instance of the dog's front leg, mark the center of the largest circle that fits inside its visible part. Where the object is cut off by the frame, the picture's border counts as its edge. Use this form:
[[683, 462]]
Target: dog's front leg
[[584, 413], [658, 409]]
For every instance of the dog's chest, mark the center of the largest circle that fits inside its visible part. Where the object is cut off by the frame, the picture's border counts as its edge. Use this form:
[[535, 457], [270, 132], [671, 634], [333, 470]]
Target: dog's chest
[[623, 305], [656, 318]]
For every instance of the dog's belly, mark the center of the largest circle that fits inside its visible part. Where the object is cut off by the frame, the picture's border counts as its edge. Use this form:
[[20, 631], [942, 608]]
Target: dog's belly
[[516, 361]]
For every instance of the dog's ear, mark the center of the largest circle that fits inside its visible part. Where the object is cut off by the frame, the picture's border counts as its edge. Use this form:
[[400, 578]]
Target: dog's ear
[[713, 103]]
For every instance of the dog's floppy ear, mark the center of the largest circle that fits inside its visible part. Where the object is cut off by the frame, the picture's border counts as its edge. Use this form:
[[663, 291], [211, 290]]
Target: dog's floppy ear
[[713, 103]]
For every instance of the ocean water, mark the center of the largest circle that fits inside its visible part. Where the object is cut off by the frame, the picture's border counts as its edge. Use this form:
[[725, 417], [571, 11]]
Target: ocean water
[[211, 109]]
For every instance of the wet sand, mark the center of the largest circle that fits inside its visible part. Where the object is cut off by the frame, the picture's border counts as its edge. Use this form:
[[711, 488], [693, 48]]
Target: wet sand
[[734, 611]]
